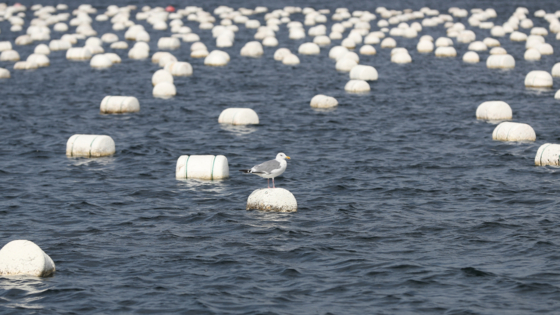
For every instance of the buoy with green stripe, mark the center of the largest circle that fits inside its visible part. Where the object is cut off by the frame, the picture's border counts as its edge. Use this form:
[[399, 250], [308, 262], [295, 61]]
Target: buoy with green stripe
[[119, 104], [208, 167], [80, 145], [548, 154]]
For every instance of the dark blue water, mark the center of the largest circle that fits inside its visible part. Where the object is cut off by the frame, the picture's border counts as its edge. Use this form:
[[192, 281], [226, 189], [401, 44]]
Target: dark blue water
[[406, 205]]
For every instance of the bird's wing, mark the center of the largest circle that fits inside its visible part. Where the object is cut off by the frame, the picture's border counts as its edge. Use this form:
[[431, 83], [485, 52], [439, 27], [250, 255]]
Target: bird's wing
[[266, 167]]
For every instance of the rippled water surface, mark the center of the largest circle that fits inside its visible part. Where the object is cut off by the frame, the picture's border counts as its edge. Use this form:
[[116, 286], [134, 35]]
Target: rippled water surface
[[405, 204]]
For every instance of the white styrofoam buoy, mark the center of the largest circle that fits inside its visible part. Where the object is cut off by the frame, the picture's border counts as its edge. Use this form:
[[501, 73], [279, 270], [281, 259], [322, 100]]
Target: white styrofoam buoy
[[498, 51], [4, 73], [164, 90], [239, 116], [119, 104], [217, 58], [119, 45], [425, 46], [179, 68], [337, 51], [42, 49], [272, 199], [556, 96], [208, 167], [281, 53], [290, 59], [555, 70], [471, 57], [309, 49], [532, 54], [25, 258], [401, 57], [56, 45], [9, 55], [446, 52], [168, 43], [101, 62], [538, 79], [367, 50], [25, 65], [40, 60], [252, 49], [345, 64], [388, 43], [357, 86], [518, 37], [511, 131], [5, 45], [500, 62], [477, 46], [494, 110], [78, 53], [362, 72], [323, 101], [548, 154], [80, 145], [162, 75]]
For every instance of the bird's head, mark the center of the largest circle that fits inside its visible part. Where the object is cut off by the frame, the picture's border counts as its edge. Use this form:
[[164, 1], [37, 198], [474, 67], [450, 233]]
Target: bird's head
[[282, 156]]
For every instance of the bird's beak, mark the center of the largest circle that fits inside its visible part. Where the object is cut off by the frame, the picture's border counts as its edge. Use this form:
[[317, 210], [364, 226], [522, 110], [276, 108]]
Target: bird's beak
[[288, 157]]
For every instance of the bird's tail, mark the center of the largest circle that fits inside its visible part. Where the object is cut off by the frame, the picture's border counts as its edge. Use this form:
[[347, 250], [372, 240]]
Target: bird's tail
[[245, 171]]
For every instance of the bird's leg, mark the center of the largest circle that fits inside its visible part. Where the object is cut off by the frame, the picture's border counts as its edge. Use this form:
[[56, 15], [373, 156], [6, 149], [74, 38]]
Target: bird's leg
[[273, 183], [268, 182]]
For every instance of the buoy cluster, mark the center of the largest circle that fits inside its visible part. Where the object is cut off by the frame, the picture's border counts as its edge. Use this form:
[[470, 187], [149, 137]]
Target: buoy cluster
[[352, 34]]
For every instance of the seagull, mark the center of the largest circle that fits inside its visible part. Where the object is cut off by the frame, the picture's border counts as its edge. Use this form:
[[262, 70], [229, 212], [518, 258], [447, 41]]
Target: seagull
[[270, 169]]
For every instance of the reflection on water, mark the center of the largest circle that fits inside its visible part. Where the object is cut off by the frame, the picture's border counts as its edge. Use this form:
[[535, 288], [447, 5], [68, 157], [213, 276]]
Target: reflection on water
[[100, 161], [238, 130], [22, 291], [194, 184]]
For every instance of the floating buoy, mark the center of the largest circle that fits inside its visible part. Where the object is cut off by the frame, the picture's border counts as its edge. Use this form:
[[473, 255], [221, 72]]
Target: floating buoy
[[42, 49], [357, 86], [446, 52], [119, 104], [169, 43], [548, 154], [425, 46], [510, 131], [532, 54], [80, 145], [291, 59], [164, 90], [471, 57], [4, 73], [401, 57], [217, 58], [362, 72], [556, 70], [100, 62], [25, 65], [78, 53], [309, 49], [208, 167], [179, 69], [500, 62], [239, 116], [367, 50], [252, 49], [272, 199], [25, 258], [477, 46], [538, 79], [5, 45], [388, 43], [169, 8], [9, 55], [323, 101], [494, 110], [281, 53], [498, 51]]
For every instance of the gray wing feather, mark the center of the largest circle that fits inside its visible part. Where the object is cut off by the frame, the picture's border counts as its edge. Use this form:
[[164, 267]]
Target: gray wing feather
[[266, 167]]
